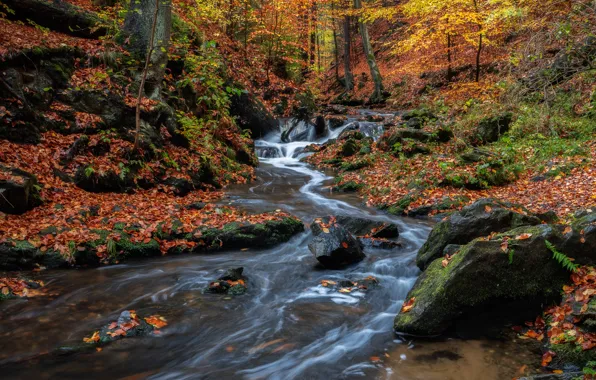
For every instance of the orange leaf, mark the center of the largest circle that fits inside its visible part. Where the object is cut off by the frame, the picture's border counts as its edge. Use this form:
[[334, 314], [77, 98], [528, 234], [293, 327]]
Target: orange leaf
[[93, 339], [344, 244], [406, 307], [487, 208], [524, 236]]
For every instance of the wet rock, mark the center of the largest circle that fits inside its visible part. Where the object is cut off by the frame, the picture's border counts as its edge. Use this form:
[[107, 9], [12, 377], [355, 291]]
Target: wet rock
[[478, 219], [334, 246], [259, 235], [372, 228], [128, 325], [491, 129], [379, 243], [320, 126], [336, 121], [483, 286], [267, 152], [351, 132], [348, 286], [337, 109], [18, 191], [298, 130], [231, 283]]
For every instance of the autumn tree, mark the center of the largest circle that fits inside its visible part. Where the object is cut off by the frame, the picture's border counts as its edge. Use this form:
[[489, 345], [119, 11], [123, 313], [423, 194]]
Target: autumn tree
[[377, 95], [458, 26]]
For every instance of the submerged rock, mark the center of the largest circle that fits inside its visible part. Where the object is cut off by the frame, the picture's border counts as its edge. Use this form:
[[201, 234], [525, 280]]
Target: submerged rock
[[334, 246], [478, 219], [231, 283]]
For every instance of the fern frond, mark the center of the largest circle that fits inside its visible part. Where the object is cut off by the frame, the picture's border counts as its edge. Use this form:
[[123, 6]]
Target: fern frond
[[562, 258]]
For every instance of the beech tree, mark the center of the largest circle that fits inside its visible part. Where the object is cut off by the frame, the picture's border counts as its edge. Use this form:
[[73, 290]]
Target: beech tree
[[147, 29], [375, 73]]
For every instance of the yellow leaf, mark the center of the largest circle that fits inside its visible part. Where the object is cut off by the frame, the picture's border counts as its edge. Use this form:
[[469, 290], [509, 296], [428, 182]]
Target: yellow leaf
[[345, 290], [326, 230]]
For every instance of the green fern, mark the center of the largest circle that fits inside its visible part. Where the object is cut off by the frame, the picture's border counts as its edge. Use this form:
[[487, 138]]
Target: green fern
[[562, 258], [510, 255], [111, 246]]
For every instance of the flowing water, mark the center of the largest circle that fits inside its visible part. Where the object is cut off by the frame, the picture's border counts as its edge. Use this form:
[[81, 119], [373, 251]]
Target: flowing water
[[287, 326]]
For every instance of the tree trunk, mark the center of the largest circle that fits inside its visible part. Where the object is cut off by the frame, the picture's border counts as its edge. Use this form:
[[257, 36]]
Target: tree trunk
[[479, 51], [348, 77], [375, 73], [138, 28], [313, 33], [57, 15]]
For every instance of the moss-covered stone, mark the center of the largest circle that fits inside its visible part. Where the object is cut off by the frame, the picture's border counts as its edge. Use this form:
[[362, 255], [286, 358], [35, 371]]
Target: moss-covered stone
[[482, 283], [479, 219]]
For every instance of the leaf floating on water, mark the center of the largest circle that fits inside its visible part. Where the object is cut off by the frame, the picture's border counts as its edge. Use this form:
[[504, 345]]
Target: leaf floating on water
[[264, 345], [375, 359], [407, 306], [230, 349], [286, 346], [326, 283], [326, 230], [93, 338], [345, 290]]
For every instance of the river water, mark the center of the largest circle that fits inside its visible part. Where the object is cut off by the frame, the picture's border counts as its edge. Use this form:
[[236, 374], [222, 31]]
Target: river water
[[287, 326]]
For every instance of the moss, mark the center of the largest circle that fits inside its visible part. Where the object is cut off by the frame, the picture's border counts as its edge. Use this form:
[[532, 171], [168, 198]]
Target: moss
[[571, 353], [350, 186], [22, 245], [401, 205]]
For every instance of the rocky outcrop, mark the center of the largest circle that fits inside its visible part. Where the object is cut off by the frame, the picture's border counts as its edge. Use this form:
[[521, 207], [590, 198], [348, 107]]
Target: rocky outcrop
[[499, 278], [503, 279], [18, 191], [22, 255], [58, 15], [251, 114], [492, 128], [334, 246], [478, 219]]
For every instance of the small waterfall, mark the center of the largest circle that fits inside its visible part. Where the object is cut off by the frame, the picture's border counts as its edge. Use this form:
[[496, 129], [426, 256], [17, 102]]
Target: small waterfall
[[289, 143]]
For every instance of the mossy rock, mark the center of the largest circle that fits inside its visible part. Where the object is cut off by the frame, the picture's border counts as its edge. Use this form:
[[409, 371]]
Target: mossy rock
[[478, 219], [21, 255], [483, 286], [259, 235]]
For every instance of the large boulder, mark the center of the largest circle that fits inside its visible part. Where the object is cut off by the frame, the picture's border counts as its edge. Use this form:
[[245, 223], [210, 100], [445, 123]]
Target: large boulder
[[478, 219], [18, 191], [251, 114], [490, 129], [334, 246], [506, 279]]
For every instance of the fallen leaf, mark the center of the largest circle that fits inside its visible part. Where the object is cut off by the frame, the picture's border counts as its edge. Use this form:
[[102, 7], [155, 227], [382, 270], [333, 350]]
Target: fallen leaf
[[345, 290], [344, 244], [93, 338], [326, 230], [406, 307], [488, 209], [524, 236], [375, 359]]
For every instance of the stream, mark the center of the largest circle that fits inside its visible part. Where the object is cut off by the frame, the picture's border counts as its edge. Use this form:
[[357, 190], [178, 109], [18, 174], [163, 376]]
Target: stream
[[287, 326]]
